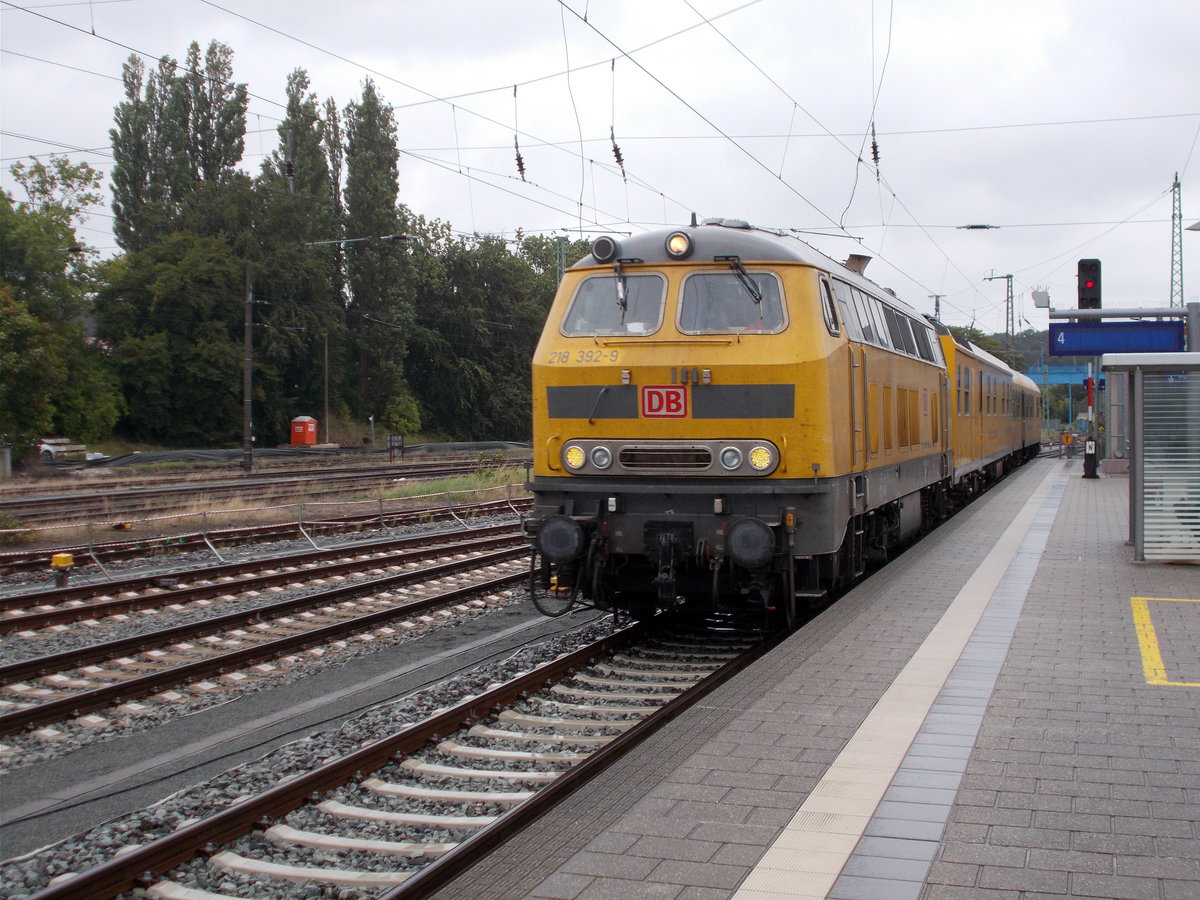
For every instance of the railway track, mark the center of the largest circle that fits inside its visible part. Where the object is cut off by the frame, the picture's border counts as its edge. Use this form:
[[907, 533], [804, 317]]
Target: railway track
[[91, 506], [28, 612], [30, 560], [407, 809], [217, 653]]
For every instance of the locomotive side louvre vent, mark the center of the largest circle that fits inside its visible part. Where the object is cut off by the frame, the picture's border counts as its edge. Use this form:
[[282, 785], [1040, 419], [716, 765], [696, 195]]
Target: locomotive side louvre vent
[[653, 459]]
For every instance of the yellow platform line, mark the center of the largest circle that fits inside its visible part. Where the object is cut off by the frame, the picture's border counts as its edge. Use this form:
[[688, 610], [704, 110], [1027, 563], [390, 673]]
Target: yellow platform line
[[1152, 662]]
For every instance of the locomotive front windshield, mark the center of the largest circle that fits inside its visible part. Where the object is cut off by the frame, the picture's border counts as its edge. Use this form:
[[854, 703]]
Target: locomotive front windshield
[[616, 304], [730, 302]]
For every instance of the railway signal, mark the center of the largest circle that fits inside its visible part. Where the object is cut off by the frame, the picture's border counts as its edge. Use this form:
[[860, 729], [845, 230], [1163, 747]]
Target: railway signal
[[1089, 284]]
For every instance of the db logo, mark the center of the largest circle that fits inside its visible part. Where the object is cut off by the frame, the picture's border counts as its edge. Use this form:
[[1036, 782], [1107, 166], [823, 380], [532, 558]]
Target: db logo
[[664, 402]]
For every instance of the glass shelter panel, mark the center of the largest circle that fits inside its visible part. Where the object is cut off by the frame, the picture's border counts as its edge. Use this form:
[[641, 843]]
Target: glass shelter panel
[[1171, 446]]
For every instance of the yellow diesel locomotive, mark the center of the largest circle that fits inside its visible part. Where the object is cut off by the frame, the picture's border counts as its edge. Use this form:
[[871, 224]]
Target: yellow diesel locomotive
[[723, 414]]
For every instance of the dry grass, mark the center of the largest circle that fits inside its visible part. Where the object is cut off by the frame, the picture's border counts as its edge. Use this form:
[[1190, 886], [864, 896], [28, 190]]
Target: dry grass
[[201, 516]]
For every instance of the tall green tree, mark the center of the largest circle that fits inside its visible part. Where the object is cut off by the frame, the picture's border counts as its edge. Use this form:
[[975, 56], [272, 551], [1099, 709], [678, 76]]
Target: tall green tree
[[54, 378], [298, 273], [145, 166], [176, 128], [474, 339], [380, 303], [173, 314], [212, 111]]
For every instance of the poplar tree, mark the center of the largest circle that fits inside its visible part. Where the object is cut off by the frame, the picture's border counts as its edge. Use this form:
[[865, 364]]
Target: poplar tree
[[144, 158], [172, 307], [214, 113], [379, 307], [300, 266], [177, 128]]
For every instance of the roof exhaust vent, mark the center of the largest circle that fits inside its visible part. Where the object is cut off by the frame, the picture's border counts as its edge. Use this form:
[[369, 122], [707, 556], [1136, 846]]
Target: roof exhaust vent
[[857, 263]]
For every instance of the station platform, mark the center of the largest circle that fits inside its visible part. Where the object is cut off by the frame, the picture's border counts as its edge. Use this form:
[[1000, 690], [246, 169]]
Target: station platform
[[1011, 709]]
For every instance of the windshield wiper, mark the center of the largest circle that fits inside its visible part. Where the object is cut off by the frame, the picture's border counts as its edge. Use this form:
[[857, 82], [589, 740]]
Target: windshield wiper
[[622, 290], [623, 284], [735, 263]]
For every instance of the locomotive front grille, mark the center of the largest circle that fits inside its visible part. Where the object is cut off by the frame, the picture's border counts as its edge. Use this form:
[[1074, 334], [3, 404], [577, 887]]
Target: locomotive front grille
[[659, 459]]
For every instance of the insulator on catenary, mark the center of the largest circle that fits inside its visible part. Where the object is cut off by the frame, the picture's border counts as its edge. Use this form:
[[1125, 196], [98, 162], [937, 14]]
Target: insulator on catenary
[[617, 153], [520, 158]]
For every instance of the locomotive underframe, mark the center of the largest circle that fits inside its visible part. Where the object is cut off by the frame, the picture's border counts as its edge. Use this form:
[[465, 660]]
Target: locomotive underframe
[[648, 541]]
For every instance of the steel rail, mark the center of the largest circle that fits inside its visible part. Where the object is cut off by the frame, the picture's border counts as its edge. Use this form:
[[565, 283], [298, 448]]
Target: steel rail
[[397, 550], [448, 867], [107, 695], [142, 864], [33, 511], [23, 560]]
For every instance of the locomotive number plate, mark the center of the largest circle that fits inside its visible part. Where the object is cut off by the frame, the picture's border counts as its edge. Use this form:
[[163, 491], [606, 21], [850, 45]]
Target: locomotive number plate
[[664, 401]]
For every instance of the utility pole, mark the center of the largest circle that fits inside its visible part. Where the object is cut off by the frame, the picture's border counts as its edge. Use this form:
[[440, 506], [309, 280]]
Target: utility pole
[[937, 305], [1008, 307], [247, 368], [1176, 243], [326, 420]]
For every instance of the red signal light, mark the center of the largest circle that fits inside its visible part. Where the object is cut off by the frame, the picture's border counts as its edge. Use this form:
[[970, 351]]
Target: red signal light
[[1089, 284]]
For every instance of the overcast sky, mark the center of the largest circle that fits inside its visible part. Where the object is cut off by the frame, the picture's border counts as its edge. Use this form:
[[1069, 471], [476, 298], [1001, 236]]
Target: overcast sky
[[1063, 122]]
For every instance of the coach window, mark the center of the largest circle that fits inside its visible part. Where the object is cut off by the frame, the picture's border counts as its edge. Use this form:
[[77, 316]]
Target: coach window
[[864, 315], [875, 308], [856, 326], [924, 344], [829, 308], [616, 304], [901, 334], [730, 302]]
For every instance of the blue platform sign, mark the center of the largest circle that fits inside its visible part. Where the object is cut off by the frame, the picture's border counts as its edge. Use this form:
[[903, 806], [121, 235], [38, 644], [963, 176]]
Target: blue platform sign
[[1097, 338]]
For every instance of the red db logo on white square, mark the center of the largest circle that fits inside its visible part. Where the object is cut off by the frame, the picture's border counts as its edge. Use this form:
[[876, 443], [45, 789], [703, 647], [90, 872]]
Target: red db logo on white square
[[664, 402]]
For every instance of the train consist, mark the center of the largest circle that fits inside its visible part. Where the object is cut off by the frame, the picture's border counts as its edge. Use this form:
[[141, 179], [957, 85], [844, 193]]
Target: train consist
[[726, 415]]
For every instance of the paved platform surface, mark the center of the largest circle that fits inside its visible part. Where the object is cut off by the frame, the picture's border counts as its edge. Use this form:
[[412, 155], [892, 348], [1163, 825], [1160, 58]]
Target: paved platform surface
[[1009, 710]]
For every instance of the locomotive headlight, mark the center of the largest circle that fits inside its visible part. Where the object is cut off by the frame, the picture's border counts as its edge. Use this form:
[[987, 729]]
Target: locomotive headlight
[[679, 245], [601, 457], [560, 538], [574, 457], [750, 543], [760, 458], [604, 249], [731, 458]]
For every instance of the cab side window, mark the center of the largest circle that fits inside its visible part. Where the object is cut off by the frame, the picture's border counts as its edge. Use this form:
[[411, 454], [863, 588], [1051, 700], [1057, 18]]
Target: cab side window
[[829, 308]]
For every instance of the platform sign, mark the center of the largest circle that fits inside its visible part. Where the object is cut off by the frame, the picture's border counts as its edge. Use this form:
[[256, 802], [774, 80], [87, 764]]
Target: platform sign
[[1097, 338]]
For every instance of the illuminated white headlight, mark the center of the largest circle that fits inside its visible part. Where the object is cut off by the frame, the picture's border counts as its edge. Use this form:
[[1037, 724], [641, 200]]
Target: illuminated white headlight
[[679, 245], [731, 458], [574, 457]]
